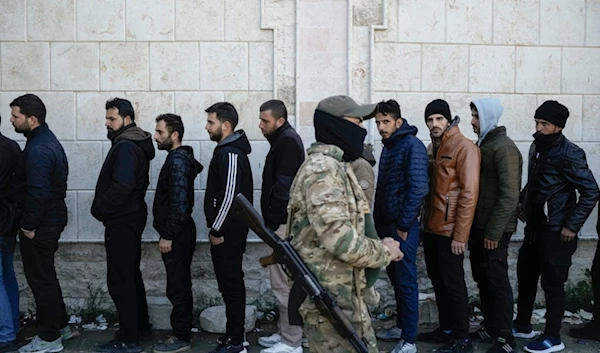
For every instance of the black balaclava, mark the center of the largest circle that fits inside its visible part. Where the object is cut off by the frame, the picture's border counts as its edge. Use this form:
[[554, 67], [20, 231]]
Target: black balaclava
[[348, 136]]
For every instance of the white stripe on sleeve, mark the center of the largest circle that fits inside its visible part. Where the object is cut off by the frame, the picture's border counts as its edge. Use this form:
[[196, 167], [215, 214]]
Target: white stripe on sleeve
[[229, 192]]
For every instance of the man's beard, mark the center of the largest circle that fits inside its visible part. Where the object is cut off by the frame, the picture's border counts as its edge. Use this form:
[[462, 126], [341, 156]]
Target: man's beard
[[217, 135], [22, 129], [166, 145]]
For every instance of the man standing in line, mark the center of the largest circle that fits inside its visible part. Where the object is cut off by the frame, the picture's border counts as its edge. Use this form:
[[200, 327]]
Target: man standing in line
[[494, 223], [591, 330], [328, 210], [44, 216], [402, 186], [454, 163], [119, 204], [553, 216], [281, 165], [10, 155], [172, 210], [229, 174]]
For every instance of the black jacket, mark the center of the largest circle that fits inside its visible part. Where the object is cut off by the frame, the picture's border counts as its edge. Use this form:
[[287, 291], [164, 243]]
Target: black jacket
[[229, 174], [123, 179], [174, 197], [550, 199], [282, 162], [45, 169], [10, 156]]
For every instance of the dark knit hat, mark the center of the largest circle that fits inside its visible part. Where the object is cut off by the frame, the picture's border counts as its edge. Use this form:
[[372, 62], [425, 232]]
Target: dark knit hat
[[438, 106], [553, 112]]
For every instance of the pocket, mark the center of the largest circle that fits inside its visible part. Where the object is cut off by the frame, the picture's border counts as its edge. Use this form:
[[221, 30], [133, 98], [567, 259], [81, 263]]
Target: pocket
[[447, 208]]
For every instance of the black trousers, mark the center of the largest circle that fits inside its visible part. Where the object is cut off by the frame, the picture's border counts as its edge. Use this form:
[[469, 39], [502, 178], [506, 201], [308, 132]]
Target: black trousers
[[123, 244], [447, 275], [179, 281], [227, 261], [543, 254], [38, 263], [490, 271], [596, 285]]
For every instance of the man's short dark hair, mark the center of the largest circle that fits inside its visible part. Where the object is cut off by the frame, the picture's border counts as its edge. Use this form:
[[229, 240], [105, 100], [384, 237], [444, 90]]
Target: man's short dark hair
[[473, 106], [31, 105], [389, 108], [123, 106], [225, 111], [277, 108], [173, 123]]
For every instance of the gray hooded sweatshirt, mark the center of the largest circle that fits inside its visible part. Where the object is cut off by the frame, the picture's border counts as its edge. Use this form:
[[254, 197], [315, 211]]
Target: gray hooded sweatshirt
[[489, 110]]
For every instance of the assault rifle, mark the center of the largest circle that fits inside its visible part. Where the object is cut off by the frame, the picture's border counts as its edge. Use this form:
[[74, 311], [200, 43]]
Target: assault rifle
[[296, 269]]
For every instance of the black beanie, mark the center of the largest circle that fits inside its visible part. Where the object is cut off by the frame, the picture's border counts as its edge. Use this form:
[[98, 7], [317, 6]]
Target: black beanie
[[553, 112], [438, 106]]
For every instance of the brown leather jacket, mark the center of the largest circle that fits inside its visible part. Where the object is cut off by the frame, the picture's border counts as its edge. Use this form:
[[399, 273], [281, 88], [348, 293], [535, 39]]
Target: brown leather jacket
[[454, 185]]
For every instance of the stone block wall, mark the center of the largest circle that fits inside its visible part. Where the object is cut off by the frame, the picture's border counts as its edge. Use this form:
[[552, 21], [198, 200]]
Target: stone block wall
[[183, 55]]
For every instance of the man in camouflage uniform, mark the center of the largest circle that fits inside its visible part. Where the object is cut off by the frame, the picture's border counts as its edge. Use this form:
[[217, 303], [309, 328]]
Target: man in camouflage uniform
[[327, 223]]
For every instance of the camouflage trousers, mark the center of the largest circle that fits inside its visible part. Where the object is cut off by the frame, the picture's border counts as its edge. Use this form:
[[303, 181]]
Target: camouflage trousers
[[323, 337]]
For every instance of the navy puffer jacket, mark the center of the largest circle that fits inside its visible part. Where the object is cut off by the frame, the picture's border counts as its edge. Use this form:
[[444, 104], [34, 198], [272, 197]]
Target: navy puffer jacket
[[403, 182]]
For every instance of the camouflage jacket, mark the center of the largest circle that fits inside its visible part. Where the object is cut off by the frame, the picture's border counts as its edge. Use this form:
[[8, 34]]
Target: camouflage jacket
[[327, 226]]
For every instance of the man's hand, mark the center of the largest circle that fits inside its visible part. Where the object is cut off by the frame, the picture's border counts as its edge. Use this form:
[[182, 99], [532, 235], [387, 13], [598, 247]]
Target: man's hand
[[28, 233], [402, 235], [165, 245], [458, 247], [520, 214], [394, 247], [490, 244], [216, 240], [567, 235]]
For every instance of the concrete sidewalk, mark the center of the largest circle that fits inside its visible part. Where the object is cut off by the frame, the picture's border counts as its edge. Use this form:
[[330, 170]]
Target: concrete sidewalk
[[205, 342]]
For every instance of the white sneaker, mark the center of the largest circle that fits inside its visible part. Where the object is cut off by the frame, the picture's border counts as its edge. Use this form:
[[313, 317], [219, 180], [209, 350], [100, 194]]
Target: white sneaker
[[282, 348], [405, 347], [66, 333], [269, 341], [38, 345]]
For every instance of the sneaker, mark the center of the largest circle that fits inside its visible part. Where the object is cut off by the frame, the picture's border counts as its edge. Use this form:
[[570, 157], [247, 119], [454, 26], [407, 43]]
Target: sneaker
[[456, 346], [8, 346], [589, 331], [144, 335], [523, 332], [392, 334], [223, 339], [269, 341], [66, 333], [227, 347], [502, 345], [482, 335], [404, 347], [435, 336], [172, 345], [116, 346], [38, 345], [282, 348], [545, 344]]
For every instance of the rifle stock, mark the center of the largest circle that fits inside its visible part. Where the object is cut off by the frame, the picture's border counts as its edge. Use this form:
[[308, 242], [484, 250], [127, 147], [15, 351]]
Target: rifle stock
[[297, 270]]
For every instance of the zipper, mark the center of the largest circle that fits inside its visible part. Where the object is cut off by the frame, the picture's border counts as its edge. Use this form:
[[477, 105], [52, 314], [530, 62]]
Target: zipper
[[447, 206]]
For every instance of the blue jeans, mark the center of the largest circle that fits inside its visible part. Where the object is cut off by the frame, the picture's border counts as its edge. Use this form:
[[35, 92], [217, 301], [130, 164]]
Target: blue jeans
[[9, 291], [403, 275]]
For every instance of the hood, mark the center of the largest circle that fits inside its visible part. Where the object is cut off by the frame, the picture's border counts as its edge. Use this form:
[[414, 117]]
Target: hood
[[140, 137], [368, 156], [405, 129], [238, 139], [188, 152], [489, 110]]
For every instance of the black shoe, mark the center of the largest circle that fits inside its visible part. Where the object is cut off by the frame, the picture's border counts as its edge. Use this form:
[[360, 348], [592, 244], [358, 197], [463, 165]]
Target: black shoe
[[228, 347], [483, 335], [589, 331], [8, 346], [503, 345], [456, 346], [116, 346], [145, 335], [435, 336], [222, 339]]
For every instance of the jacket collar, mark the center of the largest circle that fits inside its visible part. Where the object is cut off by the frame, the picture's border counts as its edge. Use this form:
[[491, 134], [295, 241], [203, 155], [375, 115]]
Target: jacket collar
[[275, 135], [499, 131], [37, 131], [328, 150]]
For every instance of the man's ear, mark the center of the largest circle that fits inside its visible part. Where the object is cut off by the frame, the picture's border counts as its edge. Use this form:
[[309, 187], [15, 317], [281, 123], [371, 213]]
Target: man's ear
[[127, 120], [175, 136], [279, 122]]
